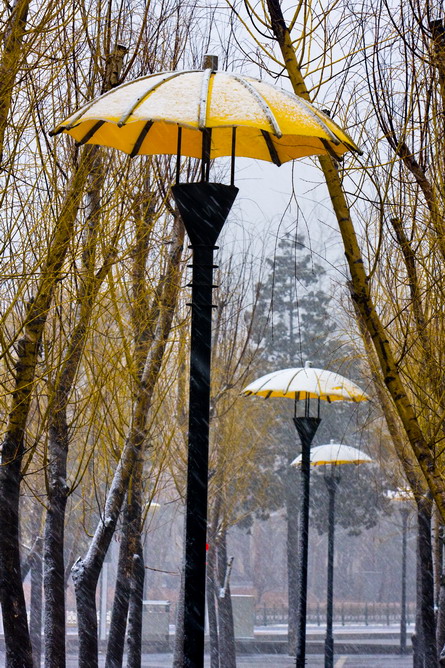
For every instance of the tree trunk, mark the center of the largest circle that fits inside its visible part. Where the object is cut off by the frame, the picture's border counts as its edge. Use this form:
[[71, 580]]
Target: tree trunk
[[426, 588], [85, 582], [227, 648], [292, 492], [35, 608], [118, 625], [418, 645], [15, 623], [440, 627], [212, 593], [54, 571], [440, 622], [178, 652], [134, 658], [13, 34], [128, 578]]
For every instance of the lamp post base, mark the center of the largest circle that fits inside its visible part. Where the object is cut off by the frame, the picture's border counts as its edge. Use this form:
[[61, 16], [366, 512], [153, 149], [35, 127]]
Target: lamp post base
[[329, 652]]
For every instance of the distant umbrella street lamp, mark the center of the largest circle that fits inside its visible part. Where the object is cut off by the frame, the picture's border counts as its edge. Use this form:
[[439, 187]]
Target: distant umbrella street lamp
[[403, 497], [305, 384], [204, 114], [330, 457]]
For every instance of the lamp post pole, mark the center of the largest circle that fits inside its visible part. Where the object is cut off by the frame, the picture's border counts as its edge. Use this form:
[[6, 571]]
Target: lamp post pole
[[204, 208], [332, 479], [404, 512], [306, 427]]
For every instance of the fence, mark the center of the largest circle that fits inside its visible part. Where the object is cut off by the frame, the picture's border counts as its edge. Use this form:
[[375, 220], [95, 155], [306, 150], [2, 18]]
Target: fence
[[385, 614]]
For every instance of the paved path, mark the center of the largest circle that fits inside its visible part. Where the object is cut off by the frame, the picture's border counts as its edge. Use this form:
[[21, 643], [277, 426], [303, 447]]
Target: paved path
[[358, 635], [266, 661], [276, 660]]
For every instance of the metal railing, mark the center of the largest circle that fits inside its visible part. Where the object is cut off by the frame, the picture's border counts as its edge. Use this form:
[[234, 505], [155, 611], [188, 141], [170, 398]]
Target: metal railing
[[385, 614]]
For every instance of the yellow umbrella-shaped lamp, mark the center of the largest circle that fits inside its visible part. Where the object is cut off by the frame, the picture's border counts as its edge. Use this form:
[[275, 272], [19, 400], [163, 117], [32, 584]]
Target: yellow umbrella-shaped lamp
[[302, 383], [244, 116], [203, 114], [334, 454]]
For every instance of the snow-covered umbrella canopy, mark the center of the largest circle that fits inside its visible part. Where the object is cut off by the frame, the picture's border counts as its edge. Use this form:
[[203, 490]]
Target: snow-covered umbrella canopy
[[246, 117], [306, 383], [335, 454]]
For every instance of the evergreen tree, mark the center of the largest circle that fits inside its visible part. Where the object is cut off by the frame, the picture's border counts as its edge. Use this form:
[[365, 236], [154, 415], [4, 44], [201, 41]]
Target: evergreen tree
[[294, 324]]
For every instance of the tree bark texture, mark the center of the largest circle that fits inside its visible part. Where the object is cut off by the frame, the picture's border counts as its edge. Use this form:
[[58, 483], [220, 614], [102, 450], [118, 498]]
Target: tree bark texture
[[417, 637], [440, 626], [292, 498], [212, 586], [36, 607], [128, 572], [227, 650], [15, 623], [178, 651], [10, 61], [426, 590], [135, 613], [118, 625], [54, 573]]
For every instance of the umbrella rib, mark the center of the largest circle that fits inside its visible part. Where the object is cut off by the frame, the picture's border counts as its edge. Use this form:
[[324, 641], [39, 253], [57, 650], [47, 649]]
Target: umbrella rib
[[127, 113], [271, 148], [314, 114], [86, 107], [92, 131], [331, 151], [262, 103], [140, 139], [202, 112]]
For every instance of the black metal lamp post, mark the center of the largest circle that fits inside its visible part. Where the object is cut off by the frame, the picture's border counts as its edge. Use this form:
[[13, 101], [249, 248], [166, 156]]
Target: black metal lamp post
[[204, 208], [306, 427], [332, 479]]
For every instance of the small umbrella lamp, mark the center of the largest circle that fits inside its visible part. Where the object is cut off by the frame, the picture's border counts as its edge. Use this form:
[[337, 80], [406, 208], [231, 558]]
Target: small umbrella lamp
[[204, 114], [305, 384], [404, 499], [331, 456]]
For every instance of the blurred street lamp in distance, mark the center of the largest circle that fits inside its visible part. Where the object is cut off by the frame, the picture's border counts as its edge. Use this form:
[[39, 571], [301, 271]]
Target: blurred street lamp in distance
[[404, 499], [305, 384], [329, 458]]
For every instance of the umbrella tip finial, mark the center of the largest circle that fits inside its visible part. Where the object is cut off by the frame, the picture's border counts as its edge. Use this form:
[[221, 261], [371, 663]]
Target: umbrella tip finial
[[210, 62], [307, 364]]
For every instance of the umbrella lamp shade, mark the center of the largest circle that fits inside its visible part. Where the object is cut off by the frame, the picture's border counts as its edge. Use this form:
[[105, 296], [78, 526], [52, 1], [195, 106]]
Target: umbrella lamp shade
[[306, 383], [335, 454], [143, 116]]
